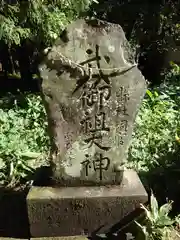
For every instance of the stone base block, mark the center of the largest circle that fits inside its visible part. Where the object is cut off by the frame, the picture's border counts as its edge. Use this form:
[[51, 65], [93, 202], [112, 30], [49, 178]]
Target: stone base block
[[61, 238], [70, 211]]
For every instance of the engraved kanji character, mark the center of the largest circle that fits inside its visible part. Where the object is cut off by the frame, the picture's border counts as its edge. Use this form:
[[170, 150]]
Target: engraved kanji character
[[100, 123], [94, 140], [101, 164], [95, 123], [122, 109], [89, 96], [123, 126], [105, 93], [87, 164], [123, 95], [87, 122]]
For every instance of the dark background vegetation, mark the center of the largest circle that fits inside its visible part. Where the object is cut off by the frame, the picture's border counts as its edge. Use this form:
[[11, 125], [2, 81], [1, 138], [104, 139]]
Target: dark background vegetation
[[149, 26], [152, 28]]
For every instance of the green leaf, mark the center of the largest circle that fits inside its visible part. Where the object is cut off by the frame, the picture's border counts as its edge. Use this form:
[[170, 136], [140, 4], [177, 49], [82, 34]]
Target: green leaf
[[165, 209], [164, 221], [156, 94], [31, 154], [149, 93], [148, 213], [154, 207]]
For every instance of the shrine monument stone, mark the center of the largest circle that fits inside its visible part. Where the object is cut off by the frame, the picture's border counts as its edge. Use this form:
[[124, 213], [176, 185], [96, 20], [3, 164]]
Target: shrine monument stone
[[92, 90]]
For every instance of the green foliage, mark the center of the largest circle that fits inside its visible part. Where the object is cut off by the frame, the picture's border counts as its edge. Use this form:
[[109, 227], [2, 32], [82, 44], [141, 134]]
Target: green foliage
[[158, 224], [171, 85], [157, 126], [152, 27], [38, 20], [23, 139], [156, 136]]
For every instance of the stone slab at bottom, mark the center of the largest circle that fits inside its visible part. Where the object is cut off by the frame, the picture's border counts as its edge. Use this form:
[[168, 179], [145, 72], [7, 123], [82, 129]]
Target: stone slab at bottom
[[61, 238], [8, 238], [72, 211], [48, 238]]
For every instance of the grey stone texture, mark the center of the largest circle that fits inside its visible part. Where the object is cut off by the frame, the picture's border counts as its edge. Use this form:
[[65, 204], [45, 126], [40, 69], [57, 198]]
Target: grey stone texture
[[7, 238], [62, 238], [71, 211], [92, 89], [48, 238]]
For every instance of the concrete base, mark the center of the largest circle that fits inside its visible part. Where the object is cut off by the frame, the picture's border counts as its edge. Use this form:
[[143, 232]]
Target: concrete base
[[62, 238], [71, 211], [48, 238]]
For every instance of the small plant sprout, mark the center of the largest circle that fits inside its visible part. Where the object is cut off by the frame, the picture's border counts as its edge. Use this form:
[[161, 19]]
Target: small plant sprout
[[158, 224]]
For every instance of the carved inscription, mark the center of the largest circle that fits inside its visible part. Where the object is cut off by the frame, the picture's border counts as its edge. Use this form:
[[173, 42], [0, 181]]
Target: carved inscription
[[99, 163], [93, 126], [123, 98], [96, 93]]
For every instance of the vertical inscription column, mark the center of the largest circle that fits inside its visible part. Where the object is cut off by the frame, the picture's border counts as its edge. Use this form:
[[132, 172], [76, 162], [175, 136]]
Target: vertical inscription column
[[123, 98], [95, 96]]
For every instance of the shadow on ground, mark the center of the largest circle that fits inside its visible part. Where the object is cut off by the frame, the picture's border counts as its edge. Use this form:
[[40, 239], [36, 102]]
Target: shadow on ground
[[126, 226], [13, 213]]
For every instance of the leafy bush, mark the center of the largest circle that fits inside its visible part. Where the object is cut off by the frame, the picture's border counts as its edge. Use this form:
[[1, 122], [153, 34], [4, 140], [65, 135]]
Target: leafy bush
[[28, 27], [37, 20], [23, 139], [24, 144], [158, 224], [156, 134]]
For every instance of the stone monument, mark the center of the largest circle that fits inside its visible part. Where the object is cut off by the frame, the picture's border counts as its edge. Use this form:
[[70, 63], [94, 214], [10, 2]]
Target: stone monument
[[92, 90]]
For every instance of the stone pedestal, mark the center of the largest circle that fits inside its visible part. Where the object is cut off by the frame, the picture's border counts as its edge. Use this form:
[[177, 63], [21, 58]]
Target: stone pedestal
[[70, 211]]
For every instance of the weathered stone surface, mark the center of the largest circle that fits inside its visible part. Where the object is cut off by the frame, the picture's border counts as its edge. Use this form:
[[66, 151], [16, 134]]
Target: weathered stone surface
[[7, 238], [62, 238], [71, 211], [92, 89], [48, 238]]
